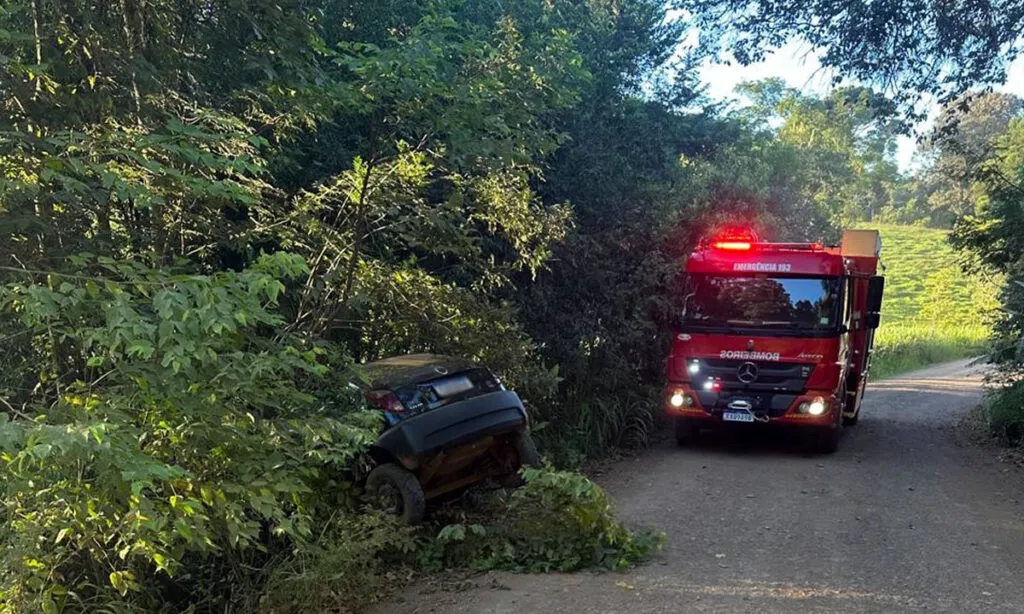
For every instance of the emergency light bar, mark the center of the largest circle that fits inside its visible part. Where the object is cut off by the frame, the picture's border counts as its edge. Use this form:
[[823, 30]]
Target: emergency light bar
[[746, 246], [745, 240], [732, 245]]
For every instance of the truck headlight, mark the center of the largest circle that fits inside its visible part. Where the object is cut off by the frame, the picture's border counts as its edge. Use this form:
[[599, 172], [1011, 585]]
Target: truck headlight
[[680, 399], [694, 368], [815, 407]]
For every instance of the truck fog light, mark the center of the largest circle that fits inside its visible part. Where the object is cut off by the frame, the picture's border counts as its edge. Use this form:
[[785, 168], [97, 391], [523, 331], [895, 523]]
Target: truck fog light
[[816, 407]]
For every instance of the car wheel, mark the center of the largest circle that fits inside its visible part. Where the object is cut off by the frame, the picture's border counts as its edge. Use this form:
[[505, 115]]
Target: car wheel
[[687, 432], [526, 450], [527, 455], [396, 490]]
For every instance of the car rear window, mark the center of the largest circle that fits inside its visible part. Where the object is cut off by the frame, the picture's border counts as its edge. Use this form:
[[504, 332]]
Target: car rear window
[[447, 389]]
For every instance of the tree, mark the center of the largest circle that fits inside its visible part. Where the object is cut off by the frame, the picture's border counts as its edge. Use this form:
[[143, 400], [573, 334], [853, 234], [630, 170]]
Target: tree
[[841, 147], [965, 137], [995, 234], [906, 49]]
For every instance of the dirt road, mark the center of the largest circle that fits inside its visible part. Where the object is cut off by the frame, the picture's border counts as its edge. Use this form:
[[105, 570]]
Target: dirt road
[[904, 518]]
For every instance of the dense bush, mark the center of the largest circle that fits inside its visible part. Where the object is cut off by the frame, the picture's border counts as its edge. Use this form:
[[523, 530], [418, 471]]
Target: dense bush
[[195, 454], [1004, 411], [193, 435], [559, 521]]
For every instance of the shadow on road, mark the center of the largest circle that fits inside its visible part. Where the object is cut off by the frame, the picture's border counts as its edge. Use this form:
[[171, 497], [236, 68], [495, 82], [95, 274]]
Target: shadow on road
[[752, 440]]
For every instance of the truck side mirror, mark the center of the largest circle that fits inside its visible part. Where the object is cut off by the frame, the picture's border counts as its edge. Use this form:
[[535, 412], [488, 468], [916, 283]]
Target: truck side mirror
[[876, 288], [872, 320]]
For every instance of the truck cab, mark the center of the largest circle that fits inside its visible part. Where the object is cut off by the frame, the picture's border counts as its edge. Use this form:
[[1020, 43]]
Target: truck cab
[[775, 333]]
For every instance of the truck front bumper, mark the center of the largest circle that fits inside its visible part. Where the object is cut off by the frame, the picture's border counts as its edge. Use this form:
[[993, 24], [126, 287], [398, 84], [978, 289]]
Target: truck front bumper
[[682, 401]]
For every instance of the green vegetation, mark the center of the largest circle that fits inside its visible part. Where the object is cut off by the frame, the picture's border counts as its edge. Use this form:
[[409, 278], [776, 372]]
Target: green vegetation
[[559, 521], [1003, 412], [995, 236], [210, 210], [912, 345], [933, 311]]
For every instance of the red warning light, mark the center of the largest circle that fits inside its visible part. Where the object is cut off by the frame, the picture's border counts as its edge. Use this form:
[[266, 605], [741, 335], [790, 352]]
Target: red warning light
[[732, 245], [735, 239]]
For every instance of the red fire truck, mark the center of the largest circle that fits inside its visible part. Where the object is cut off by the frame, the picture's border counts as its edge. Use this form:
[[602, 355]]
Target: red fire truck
[[777, 333]]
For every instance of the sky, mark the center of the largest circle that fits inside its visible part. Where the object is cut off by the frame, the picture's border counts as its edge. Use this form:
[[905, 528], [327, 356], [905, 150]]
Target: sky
[[797, 63]]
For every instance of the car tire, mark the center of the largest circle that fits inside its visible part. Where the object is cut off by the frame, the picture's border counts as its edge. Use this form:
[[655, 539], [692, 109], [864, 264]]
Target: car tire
[[396, 490], [687, 432], [526, 450], [528, 456]]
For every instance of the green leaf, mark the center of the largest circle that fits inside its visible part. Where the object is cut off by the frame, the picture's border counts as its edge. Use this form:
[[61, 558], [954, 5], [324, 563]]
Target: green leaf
[[119, 581], [142, 348], [61, 535]]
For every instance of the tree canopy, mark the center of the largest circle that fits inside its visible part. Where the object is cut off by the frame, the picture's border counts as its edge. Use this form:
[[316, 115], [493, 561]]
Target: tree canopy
[[905, 49]]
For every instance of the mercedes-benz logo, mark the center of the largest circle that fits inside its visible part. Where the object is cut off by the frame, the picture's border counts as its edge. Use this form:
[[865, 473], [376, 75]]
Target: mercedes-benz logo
[[747, 372]]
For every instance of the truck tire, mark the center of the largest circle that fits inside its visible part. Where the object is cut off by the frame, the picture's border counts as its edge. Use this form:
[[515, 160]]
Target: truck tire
[[826, 441], [852, 420], [526, 452], [396, 490], [687, 432]]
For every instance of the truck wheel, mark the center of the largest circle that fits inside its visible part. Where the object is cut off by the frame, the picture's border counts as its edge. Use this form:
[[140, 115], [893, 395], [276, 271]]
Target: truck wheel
[[858, 398], [398, 491], [526, 452], [851, 420], [687, 432], [826, 441]]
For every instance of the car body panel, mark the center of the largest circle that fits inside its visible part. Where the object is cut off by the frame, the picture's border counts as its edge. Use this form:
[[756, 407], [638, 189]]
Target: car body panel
[[455, 424]]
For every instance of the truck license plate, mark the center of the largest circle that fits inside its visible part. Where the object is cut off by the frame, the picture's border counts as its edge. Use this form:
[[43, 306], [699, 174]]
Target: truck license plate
[[737, 416]]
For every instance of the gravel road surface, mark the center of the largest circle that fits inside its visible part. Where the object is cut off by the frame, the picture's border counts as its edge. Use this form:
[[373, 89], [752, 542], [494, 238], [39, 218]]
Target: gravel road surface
[[906, 517]]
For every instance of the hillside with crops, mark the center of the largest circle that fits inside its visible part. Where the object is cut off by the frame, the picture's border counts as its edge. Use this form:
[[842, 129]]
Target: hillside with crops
[[933, 310]]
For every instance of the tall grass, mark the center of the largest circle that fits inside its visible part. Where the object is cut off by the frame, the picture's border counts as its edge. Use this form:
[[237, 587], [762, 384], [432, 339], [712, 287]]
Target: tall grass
[[905, 346]]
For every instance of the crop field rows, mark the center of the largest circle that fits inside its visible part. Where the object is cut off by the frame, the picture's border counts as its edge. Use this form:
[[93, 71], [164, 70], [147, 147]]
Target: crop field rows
[[932, 311]]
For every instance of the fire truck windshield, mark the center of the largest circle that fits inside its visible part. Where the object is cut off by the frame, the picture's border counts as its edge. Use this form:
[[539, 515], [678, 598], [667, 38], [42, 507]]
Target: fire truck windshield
[[780, 303]]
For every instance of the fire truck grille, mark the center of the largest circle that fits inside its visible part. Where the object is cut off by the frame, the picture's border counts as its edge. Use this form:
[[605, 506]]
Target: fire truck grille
[[770, 387], [766, 376]]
